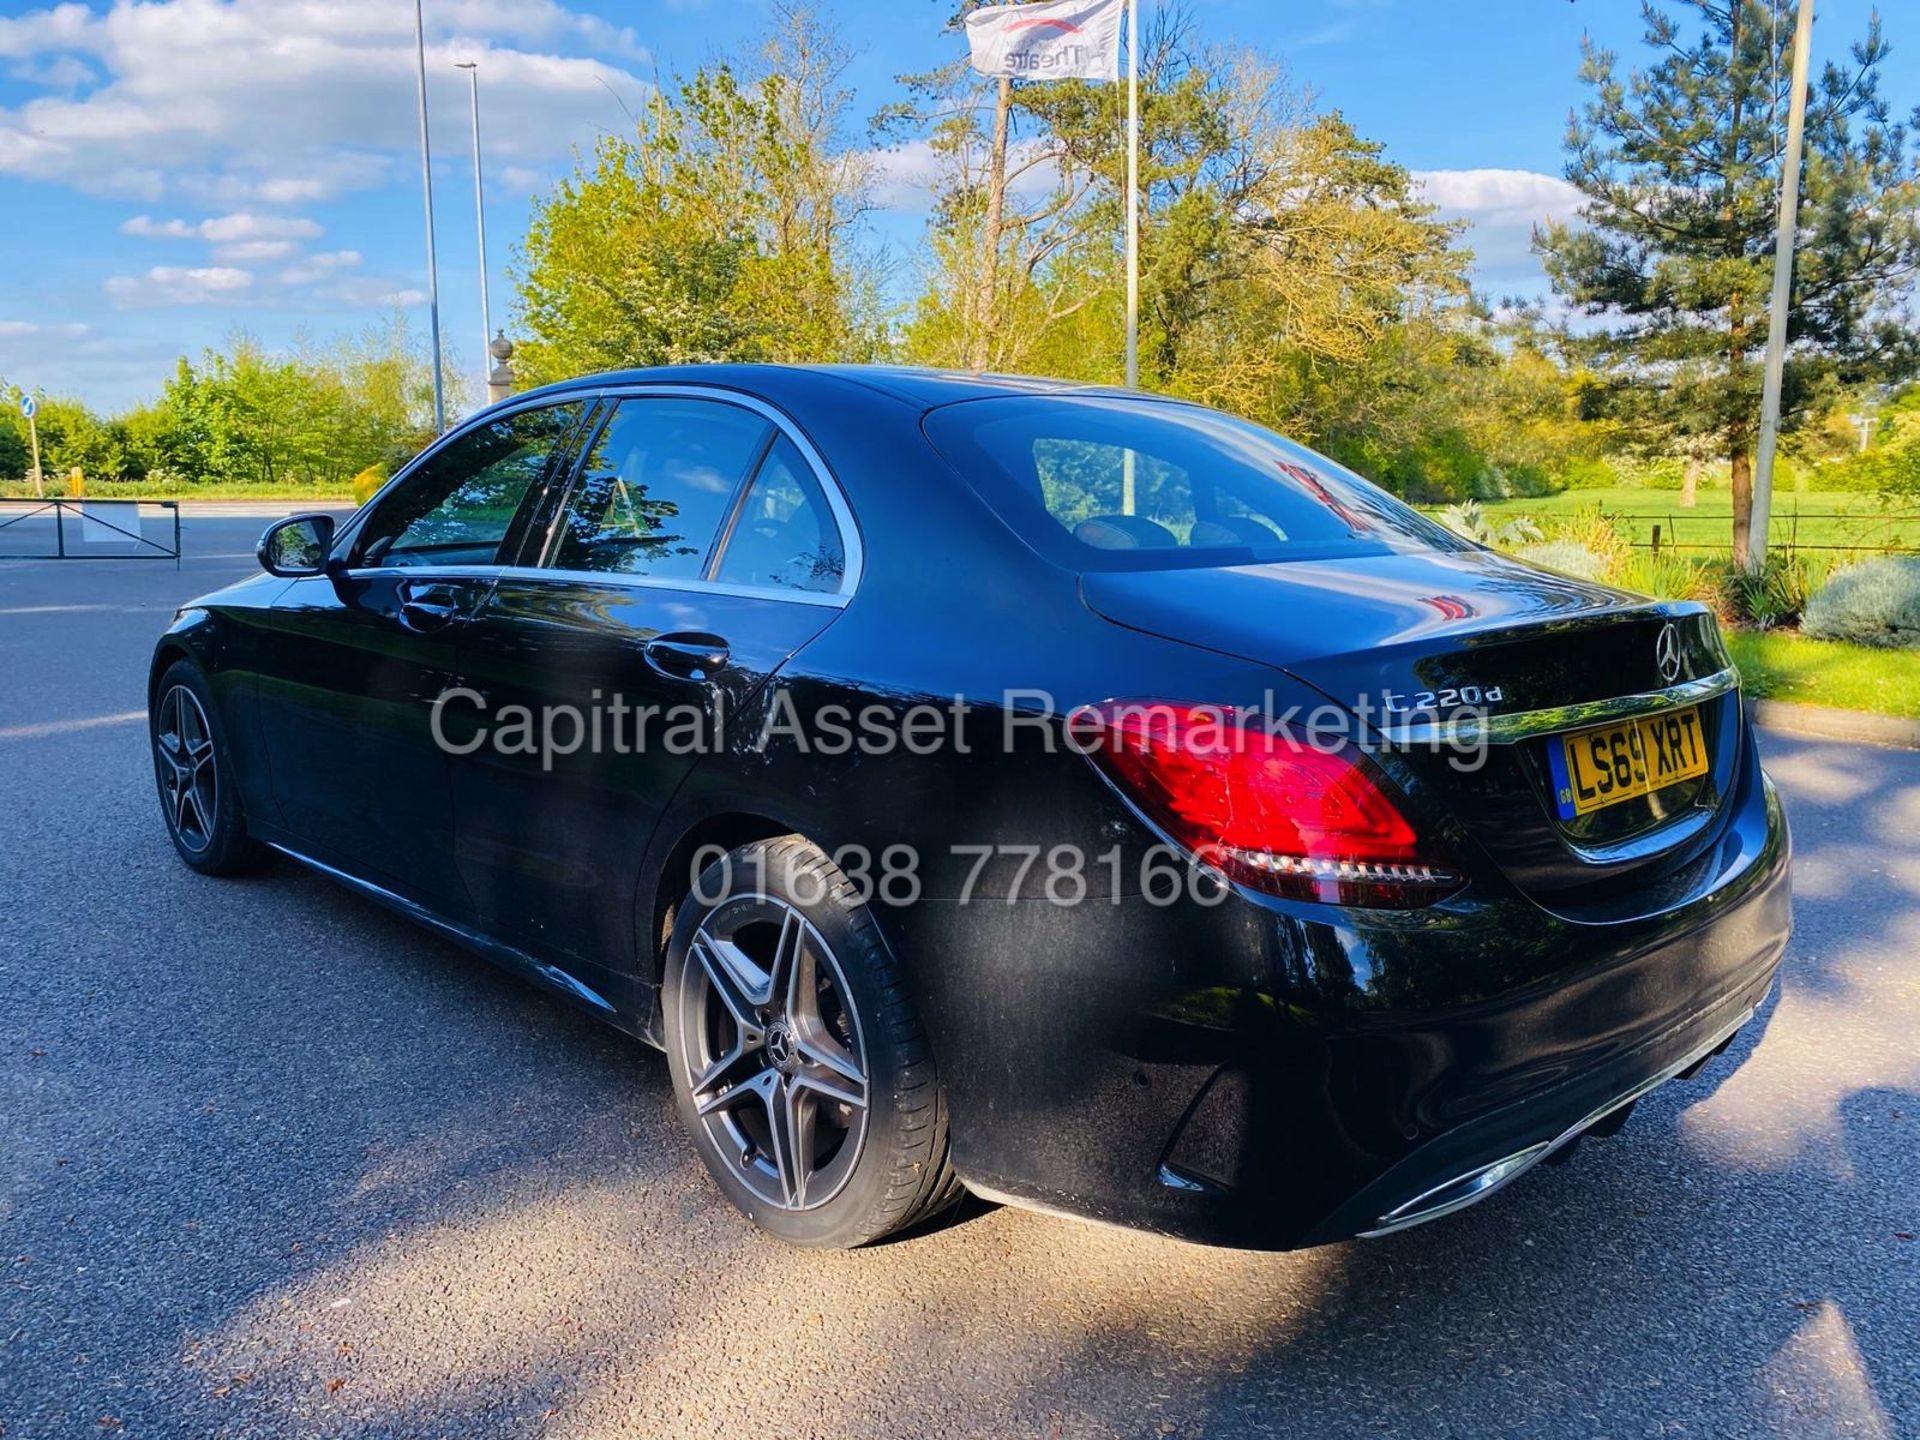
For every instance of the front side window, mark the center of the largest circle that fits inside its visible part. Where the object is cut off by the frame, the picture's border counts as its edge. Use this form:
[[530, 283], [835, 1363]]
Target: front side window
[[655, 486], [784, 537], [457, 507], [1107, 483]]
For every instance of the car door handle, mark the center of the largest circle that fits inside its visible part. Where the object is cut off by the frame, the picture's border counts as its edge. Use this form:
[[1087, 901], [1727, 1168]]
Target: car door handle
[[687, 655], [428, 606]]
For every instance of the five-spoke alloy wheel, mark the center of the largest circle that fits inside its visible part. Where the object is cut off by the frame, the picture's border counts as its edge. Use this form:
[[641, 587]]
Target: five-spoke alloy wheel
[[183, 758], [779, 1077], [799, 1066], [202, 807]]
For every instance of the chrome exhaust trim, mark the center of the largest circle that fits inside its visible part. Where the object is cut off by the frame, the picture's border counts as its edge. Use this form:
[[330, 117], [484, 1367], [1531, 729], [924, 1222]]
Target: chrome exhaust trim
[[1476, 1184]]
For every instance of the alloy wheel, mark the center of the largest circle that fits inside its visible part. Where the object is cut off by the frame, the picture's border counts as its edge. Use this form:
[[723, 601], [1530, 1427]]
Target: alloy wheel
[[775, 1059], [189, 779]]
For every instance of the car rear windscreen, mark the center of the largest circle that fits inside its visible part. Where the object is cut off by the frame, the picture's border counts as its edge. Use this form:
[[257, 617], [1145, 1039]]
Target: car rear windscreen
[[1100, 482]]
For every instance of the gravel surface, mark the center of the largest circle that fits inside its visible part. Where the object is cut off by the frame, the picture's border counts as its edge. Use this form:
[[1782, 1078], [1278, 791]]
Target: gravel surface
[[275, 1163]]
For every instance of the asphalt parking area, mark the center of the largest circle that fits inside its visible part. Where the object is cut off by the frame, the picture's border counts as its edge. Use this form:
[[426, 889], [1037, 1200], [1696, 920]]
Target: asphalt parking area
[[275, 1163]]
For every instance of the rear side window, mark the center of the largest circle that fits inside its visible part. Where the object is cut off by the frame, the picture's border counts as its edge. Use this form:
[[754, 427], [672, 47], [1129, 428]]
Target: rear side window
[[457, 507], [656, 484], [1099, 482], [784, 537]]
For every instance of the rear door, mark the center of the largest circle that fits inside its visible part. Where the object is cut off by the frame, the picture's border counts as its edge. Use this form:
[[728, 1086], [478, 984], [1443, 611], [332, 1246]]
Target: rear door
[[357, 657], [699, 545]]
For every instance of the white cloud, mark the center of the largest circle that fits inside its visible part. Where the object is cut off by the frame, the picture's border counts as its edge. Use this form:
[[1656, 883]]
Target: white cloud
[[240, 228], [1336, 33], [519, 180], [110, 368], [907, 177], [311, 269], [170, 285], [1502, 193], [321, 279], [904, 176], [337, 292], [1501, 208], [320, 283], [24, 329], [149, 228], [59, 72], [295, 101], [251, 251]]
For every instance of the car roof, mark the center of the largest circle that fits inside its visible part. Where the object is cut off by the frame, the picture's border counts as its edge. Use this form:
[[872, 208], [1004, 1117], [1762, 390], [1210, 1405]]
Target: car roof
[[923, 388]]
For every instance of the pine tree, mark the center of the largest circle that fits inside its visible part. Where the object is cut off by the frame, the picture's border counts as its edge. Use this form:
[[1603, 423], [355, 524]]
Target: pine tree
[[1680, 166]]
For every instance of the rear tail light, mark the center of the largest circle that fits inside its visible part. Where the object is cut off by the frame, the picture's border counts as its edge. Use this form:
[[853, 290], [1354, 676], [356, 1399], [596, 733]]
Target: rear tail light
[[1310, 818]]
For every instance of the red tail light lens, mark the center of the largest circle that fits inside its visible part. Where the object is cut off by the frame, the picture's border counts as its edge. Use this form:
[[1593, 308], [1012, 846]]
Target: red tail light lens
[[1305, 817]]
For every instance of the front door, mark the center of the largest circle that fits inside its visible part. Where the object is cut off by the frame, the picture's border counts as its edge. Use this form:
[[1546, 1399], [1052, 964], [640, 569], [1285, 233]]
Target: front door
[[359, 655], [696, 551]]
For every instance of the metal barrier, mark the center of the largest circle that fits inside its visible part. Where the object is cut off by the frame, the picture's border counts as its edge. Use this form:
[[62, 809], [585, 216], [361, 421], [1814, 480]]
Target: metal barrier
[[94, 516]]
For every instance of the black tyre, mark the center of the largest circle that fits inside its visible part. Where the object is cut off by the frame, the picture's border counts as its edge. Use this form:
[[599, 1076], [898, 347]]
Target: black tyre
[[192, 768], [799, 1065]]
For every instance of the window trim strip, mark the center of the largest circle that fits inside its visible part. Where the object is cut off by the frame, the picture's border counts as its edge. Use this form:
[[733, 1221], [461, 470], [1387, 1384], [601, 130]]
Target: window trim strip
[[836, 600]]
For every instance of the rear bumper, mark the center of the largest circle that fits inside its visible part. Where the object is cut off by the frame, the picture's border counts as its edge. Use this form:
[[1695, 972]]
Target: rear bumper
[[1477, 1159], [1249, 1076]]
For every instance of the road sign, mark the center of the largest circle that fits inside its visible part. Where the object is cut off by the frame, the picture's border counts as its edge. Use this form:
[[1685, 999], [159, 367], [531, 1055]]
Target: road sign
[[29, 406]]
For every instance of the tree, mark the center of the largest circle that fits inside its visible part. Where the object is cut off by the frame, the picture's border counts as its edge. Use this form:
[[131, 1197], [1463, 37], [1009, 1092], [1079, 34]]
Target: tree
[[1680, 167], [1283, 255], [723, 230], [311, 418], [16, 456]]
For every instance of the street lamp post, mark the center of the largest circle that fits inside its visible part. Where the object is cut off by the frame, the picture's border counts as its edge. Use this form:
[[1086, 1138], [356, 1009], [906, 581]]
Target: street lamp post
[[472, 68], [1762, 509], [426, 186]]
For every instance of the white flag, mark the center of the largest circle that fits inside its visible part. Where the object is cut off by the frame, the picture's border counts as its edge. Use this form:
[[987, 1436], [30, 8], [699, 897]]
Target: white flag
[[1063, 40]]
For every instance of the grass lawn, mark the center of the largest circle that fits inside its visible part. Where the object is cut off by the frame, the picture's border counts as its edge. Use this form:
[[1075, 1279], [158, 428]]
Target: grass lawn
[[1805, 518], [1780, 666]]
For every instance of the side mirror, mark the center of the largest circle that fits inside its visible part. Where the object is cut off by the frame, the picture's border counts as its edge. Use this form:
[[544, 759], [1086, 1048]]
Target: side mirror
[[297, 546]]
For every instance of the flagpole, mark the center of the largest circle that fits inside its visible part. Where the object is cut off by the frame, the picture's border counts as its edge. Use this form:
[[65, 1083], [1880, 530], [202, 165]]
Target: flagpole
[[1133, 193], [426, 189]]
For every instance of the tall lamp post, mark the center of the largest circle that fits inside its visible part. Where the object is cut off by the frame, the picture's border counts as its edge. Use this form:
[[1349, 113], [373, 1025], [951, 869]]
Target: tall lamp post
[[472, 67], [1761, 513], [426, 186]]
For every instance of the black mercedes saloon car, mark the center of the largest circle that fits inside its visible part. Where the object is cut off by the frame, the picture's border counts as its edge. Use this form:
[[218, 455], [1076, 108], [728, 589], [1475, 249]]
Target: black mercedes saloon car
[[1083, 799]]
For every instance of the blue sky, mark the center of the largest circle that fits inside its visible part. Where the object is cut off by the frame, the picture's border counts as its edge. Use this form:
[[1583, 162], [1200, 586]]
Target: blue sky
[[176, 169]]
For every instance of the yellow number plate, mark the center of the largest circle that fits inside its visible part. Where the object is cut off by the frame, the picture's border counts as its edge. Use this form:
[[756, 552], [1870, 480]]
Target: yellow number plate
[[1595, 768]]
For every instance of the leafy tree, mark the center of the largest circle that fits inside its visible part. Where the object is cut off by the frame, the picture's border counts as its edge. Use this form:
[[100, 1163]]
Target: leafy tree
[[1890, 464], [73, 437], [1290, 272], [16, 454], [1266, 226], [181, 430], [723, 230], [1680, 167], [311, 418]]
